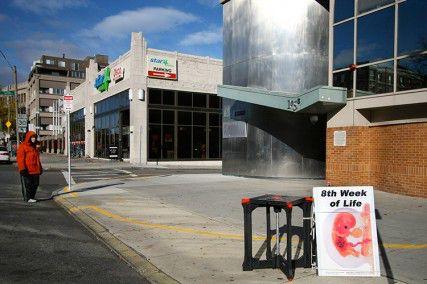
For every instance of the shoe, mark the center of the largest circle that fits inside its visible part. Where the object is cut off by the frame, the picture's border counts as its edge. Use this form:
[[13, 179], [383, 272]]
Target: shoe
[[32, 201]]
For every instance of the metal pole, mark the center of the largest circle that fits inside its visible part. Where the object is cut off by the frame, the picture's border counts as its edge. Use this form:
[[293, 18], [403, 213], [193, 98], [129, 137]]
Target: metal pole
[[68, 148], [15, 76], [277, 235]]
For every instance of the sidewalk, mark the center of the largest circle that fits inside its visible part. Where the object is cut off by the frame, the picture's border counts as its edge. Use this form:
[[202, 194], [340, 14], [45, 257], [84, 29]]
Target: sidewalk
[[189, 228], [57, 161]]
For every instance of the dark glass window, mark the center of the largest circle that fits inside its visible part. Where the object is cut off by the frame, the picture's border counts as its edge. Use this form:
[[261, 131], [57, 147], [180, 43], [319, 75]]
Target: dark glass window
[[168, 142], [168, 117], [214, 101], [184, 142], [344, 79], [214, 119], [184, 99], [375, 79], [154, 143], [199, 118], [154, 116], [214, 142], [412, 35], [368, 5], [412, 73], [375, 36], [343, 45], [154, 96], [199, 142], [184, 118], [199, 100], [168, 97], [344, 9]]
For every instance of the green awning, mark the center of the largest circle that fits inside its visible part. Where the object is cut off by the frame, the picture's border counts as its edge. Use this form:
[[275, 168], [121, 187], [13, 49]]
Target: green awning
[[321, 99]]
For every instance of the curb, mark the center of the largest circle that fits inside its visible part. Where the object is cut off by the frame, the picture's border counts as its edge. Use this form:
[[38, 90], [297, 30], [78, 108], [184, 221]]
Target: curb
[[137, 261]]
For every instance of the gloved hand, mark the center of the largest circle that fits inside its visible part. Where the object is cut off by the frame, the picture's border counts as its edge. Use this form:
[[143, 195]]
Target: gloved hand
[[24, 172]]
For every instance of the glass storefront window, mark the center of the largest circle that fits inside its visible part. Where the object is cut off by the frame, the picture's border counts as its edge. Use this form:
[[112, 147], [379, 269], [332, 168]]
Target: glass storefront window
[[199, 118], [199, 142], [184, 142], [344, 9], [344, 79], [412, 73], [214, 101], [412, 35], [168, 117], [155, 96], [168, 97], [189, 129], [199, 100], [375, 36], [343, 45], [168, 142], [184, 99], [368, 5], [184, 118], [375, 79]]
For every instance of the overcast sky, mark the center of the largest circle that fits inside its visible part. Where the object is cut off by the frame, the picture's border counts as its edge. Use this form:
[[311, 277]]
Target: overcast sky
[[30, 28]]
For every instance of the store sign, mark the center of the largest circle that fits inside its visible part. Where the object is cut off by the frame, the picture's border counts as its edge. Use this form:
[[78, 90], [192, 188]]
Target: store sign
[[346, 231], [118, 73], [161, 67], [103, 80]]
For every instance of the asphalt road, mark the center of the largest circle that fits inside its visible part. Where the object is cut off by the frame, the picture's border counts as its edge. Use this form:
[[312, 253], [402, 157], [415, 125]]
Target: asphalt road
[[41, 243]]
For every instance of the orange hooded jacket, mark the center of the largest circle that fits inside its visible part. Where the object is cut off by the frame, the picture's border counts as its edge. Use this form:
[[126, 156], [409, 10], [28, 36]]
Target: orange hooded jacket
[[28, 156]]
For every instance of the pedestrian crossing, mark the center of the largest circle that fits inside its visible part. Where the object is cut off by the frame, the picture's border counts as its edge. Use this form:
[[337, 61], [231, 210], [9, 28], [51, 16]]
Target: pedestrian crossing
[[80, 175]]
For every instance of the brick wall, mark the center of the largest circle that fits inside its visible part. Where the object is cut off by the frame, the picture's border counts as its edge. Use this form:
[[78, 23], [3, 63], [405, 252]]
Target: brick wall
[[392, 158]]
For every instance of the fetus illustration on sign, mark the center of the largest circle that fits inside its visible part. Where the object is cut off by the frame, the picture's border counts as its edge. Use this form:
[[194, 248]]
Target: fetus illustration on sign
[[351, 237]]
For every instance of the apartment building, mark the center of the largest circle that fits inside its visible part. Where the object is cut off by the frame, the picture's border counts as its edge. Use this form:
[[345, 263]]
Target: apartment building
[[49, 79]]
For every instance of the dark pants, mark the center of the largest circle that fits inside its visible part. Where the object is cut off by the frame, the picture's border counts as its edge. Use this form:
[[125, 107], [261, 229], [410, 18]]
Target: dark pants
[[30, 183]]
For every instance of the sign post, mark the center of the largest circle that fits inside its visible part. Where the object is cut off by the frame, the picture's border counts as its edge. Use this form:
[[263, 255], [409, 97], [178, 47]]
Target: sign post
[[68, 106], [346, 231]]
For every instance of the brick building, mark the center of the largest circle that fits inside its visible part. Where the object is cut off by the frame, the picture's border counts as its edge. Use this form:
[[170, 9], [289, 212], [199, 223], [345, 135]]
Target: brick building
[[378, 52]]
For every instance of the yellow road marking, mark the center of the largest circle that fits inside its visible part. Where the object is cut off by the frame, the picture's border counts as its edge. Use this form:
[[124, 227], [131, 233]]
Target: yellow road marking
[[220, 235], [72, 194]]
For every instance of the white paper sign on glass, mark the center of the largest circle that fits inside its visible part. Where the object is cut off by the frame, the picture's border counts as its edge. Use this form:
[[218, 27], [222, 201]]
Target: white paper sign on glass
[[346, 231]]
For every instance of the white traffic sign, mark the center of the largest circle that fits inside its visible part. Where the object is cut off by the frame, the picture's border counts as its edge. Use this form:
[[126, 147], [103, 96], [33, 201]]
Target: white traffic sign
[[68, 102], [346, 231]]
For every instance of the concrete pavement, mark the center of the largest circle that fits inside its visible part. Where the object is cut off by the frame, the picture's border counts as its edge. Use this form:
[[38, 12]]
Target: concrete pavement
[[188, 227]]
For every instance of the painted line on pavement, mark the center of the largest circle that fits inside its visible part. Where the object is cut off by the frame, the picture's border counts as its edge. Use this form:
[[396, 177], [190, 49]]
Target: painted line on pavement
[[65, 174], [127, 172], [72, 194], [220, 235]]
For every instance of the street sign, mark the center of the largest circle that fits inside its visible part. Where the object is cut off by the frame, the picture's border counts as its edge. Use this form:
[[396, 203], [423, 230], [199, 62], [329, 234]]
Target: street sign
[[68, 103], [7, 93], [22, 122], [8, 124], [346, 231]]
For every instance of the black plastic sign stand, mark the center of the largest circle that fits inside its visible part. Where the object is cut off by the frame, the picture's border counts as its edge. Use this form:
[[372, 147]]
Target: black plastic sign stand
[[278, 203]]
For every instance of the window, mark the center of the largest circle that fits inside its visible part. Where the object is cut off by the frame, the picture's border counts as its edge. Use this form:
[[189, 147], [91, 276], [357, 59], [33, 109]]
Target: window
[[368, 5], [61, 63], [50, 61], [344, 79], [343, 45], [344, 9], [214, 101], [412, 34], [412, 73], [375, 79], [168, 97], [154, 96], [199, 100], [75, 66], [184, 99], [375, 36]]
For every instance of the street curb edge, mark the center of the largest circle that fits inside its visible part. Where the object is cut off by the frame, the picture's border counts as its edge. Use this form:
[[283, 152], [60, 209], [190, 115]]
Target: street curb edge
[[137, 261]]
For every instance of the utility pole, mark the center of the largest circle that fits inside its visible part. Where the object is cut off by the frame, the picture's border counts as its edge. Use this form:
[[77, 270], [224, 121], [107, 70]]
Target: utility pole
[[15, 76]]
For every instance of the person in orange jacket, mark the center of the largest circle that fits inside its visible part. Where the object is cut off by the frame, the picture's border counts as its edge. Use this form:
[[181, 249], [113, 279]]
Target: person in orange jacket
[[29, 166]]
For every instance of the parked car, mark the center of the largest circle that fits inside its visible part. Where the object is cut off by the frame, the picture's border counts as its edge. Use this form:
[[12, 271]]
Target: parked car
[[4, 155]]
